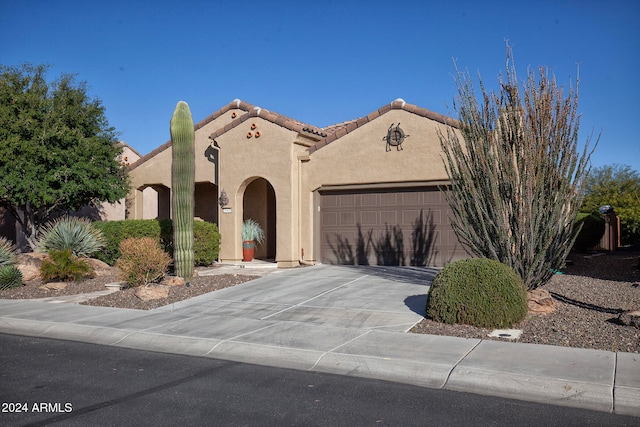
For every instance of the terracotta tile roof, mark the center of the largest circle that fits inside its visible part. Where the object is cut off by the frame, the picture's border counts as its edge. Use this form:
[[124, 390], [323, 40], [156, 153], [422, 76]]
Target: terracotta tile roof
[[279, 119], [327, 135], [339, 130]]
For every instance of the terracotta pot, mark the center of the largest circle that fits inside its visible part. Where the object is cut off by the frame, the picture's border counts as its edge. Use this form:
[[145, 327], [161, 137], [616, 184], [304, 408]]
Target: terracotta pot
[[248, 248]]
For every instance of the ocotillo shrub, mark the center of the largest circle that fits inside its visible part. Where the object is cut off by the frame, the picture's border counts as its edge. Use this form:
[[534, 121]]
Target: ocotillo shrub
[[479, 292], [182, 191]]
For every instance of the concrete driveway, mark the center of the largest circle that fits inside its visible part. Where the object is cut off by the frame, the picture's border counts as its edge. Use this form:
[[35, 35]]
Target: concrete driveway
[[384, 298]]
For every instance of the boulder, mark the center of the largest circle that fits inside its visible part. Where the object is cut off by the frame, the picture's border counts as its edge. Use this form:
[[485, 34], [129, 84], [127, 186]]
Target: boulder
[[540, 301], [173, 281], [29, 272], [53, 286], [101, 269], [151, 292], [29, 265], [630, 318]]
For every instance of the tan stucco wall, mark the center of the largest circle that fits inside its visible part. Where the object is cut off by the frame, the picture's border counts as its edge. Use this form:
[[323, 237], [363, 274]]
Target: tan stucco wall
[[272, 157], [117, 211], [361, 157]]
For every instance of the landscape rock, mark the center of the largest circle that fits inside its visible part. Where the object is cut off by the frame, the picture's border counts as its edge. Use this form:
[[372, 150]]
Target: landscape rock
[[540, 301], [173, 281], [29, 265], [53, 286], [630, 318], [152, 292], [101, 268], [29, 272]]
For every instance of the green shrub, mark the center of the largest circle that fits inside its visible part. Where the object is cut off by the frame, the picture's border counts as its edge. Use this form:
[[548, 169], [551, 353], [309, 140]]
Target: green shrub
[[592, 230], [117, 231], [76, 234], [65, 266], [205, 234], [8, 252], [142, 261], [479, 292], [10, 277], [206, 242]]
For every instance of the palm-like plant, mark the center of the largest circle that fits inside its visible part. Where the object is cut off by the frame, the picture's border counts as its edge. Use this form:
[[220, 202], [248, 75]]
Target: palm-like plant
[[75, 234]]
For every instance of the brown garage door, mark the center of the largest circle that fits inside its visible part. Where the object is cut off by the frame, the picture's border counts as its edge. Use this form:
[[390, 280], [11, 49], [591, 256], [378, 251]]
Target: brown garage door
[[387, 227]]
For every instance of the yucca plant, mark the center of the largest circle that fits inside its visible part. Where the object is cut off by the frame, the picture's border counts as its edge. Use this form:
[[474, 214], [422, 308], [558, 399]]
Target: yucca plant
[[76, 234], [8, 252], [10, 277]]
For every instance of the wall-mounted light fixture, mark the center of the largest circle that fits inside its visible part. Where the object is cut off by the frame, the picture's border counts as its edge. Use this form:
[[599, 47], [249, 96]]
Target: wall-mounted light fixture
[[223, 200]]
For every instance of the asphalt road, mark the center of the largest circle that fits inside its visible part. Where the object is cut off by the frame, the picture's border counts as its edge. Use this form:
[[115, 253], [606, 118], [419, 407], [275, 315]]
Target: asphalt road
[[51, 382]]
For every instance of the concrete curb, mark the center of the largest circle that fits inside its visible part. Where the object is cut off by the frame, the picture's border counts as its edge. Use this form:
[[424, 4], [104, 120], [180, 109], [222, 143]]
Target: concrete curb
[[458, 364]]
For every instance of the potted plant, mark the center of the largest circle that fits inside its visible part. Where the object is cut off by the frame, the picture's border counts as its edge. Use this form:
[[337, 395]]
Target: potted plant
[[251, 233]]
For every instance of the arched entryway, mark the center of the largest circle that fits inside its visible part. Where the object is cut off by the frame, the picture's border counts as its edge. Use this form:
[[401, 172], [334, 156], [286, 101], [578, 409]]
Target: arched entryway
[[259, 204]]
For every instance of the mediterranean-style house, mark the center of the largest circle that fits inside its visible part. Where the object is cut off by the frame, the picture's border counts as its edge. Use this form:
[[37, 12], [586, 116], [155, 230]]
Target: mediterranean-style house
[[366, 191]]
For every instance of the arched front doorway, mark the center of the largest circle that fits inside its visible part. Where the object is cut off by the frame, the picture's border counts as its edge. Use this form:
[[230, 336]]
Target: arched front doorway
[[259, 204]]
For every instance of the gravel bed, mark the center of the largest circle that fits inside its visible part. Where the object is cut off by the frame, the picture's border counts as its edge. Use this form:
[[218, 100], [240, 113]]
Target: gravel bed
[[589, 296], [126, 298]]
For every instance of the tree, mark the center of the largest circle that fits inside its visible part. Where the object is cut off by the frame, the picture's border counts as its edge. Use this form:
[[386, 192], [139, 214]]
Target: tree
[[516, 172], [618, 186], [57, 150]]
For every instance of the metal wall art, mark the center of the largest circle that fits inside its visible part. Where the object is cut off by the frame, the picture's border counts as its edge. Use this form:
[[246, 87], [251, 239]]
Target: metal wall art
[[395, 137]]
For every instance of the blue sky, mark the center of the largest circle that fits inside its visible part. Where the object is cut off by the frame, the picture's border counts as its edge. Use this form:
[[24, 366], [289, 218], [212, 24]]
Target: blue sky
[[324, 62]]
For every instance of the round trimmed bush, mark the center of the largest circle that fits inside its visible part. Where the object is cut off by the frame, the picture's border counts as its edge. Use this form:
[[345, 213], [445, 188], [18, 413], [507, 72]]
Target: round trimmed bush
[[478, 292], [206, 243]]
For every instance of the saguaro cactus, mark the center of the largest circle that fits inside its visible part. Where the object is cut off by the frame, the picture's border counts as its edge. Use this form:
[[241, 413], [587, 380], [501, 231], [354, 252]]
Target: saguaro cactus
[[182, 181]]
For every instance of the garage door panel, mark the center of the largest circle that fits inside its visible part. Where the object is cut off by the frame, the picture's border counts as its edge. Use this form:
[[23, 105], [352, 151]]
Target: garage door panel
[[371, 199], [434, 197], [348, 200], [329, 218], [378, 227], [412, 199], [388, 199], [409, 217], [369, 218], [348, 218]]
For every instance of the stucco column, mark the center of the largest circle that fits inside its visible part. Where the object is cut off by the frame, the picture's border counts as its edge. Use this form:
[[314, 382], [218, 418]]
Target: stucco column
[[134, 204], [229, 224]]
